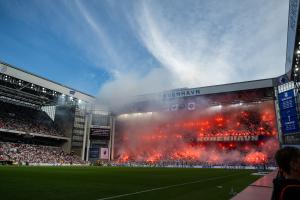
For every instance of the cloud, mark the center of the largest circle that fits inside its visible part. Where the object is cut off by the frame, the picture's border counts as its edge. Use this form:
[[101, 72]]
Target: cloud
[[213, 43], [101, 38], [148, 46]]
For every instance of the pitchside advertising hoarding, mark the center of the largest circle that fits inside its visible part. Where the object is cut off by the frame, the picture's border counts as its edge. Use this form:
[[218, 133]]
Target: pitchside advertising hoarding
[[288, 112]]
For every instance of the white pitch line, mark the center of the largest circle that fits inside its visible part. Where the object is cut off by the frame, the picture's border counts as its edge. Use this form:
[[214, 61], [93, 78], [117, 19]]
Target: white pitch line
[[164, 187]]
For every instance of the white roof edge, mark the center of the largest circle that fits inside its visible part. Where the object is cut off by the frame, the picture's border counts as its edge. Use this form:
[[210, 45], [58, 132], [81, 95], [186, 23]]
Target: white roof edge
[[214, 89], [238, 86]]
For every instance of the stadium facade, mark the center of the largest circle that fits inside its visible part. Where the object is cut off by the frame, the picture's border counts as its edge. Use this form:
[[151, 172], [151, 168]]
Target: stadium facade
[[243, 117]]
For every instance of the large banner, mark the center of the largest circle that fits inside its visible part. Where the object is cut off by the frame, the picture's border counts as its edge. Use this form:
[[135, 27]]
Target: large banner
[[288, 112], [104, 153], [228, 138]]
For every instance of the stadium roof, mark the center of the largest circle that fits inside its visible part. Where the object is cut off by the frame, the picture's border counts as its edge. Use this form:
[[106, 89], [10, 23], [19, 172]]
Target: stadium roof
[[215, 89], [42, 82], [230, 87], [249, 91]]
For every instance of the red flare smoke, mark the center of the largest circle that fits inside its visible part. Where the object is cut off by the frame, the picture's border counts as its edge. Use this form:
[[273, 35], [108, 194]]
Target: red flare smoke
[[195, 137]]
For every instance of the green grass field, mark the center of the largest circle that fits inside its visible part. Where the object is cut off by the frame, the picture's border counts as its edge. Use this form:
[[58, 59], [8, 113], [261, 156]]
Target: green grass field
[[98, 183]]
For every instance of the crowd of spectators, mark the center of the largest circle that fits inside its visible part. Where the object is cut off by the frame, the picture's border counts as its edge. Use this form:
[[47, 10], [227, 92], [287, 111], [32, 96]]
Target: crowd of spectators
[[193, 164], [37, 154], [19, 118], [28, 126]]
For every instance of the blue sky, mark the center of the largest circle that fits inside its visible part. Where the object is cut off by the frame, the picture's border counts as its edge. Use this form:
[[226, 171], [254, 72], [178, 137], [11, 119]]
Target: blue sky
[[112, 47]]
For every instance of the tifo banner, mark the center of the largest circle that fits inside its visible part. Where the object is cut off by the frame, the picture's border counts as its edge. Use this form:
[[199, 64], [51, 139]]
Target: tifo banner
[[104, 153], [228, 138]]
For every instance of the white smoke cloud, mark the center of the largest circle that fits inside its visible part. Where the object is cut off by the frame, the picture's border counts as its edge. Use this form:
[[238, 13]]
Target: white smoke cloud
[[127, 86]]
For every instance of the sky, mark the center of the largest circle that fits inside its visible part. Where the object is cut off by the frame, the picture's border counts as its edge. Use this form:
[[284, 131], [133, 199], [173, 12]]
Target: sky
[[110, 48]]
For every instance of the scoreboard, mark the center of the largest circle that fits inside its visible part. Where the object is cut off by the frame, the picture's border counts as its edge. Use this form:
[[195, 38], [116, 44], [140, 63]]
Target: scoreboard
[[100, 132]]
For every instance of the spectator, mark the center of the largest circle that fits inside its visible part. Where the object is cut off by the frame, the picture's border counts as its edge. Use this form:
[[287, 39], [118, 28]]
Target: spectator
[[287, 182]]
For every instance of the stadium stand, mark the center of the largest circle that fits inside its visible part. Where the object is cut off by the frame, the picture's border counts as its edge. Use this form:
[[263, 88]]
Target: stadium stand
[[29, 120], [41, 121], [36, 154]]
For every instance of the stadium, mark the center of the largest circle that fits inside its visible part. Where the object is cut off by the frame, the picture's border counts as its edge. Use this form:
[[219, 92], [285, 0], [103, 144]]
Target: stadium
[[58, 143]]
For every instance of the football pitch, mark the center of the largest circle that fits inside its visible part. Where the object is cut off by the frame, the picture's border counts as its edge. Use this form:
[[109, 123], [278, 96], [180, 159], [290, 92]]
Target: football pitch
[[120, 183]]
